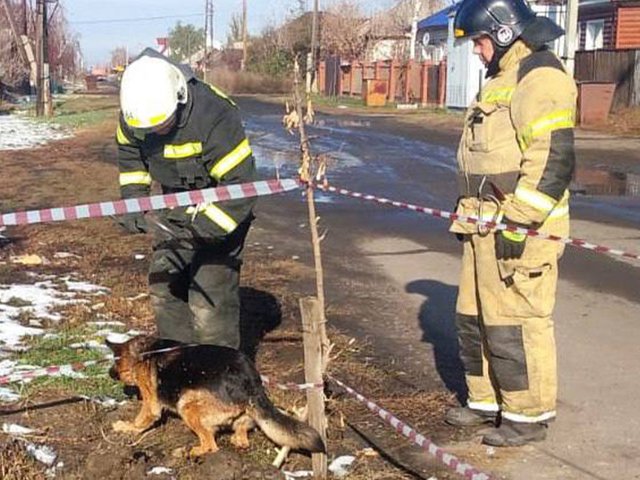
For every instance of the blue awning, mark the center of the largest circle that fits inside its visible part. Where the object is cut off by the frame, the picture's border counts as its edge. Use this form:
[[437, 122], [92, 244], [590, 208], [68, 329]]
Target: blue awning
[[439, 19]]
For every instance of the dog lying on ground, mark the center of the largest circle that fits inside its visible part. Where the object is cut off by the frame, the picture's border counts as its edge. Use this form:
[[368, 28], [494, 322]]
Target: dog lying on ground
[[210, 387]]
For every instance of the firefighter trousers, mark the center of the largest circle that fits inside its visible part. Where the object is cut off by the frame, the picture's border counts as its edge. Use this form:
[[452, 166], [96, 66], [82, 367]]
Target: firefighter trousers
[[505, 328], [195, 293]]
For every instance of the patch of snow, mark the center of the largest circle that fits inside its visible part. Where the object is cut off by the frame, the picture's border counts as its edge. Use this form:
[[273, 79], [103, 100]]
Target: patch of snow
[[340, 466], [37, 301], [64, 255], [85, 287], [14, 429], [118, 337], [8, 396], [51, 472], [42, 453], [6, 367], [160, 471], [298, 474], [107, 324], [105, 401], [17, 133], [89, 344]]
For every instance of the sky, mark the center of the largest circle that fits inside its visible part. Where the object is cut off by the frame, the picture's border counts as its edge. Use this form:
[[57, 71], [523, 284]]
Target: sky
[[101, 29]]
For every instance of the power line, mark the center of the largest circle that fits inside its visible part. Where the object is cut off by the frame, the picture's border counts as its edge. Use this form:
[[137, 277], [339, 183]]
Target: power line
[[131, 20]]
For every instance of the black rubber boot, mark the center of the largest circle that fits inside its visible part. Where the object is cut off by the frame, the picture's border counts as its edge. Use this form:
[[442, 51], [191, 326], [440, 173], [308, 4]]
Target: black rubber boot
[[467, 417], [515, 434]]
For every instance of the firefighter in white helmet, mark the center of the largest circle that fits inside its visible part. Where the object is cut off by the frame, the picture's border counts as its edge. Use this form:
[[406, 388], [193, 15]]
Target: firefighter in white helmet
[[184, 134]]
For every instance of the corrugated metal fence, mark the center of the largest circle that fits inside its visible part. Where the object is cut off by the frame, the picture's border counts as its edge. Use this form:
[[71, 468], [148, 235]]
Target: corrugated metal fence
[[621, 67], [409, 82]]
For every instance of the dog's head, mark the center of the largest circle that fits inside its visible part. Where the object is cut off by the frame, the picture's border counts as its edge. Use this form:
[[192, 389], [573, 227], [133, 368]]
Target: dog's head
[[127, 356]]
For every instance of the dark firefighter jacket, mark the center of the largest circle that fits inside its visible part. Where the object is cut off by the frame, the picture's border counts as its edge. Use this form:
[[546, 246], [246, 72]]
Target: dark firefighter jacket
[[207, 148], [518, 136]]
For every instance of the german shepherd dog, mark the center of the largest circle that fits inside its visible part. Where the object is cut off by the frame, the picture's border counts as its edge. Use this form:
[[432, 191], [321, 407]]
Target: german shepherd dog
[[210, 387]]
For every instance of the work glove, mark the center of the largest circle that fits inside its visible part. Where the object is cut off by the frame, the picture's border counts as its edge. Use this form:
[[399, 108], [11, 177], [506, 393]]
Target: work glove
[[133, 223], [510, 245]]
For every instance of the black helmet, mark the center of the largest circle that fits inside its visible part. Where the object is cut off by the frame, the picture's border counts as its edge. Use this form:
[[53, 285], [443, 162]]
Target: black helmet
[[502, 20]]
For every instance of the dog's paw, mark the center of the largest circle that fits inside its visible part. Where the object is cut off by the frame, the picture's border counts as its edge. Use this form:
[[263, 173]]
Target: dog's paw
[[124, 427], [240, 442], [199, 451]]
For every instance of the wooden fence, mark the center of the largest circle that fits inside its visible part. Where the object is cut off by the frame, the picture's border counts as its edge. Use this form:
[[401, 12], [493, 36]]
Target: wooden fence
[[409, 82], [621, 67]]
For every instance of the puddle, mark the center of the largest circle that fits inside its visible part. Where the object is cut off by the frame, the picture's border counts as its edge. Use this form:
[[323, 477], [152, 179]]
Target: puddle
[[592, 181]]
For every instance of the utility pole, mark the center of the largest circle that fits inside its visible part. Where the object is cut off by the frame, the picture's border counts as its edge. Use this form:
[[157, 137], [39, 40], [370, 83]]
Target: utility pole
[[571, 36], [417, 5], [41, 33], [243, 65], [208, 34]]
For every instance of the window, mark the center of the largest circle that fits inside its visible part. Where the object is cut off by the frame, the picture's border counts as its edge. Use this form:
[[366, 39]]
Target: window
[[594, 37]]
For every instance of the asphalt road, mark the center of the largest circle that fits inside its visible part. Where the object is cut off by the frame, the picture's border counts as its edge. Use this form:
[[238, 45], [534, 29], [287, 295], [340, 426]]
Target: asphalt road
[[401, 270]]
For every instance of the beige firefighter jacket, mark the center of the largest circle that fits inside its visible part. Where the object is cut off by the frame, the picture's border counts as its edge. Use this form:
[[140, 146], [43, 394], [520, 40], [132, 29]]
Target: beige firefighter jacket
[[516, 156]]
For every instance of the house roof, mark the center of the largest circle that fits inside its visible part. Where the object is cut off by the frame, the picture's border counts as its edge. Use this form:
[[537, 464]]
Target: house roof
[[439, 19]]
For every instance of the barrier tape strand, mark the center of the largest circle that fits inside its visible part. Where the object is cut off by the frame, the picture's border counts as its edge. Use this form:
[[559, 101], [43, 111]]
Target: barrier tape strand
[[434, 212], [146, 204], [451, 461]]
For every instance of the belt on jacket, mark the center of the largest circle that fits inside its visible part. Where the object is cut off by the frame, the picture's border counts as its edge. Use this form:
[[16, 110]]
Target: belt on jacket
[[470, 184]]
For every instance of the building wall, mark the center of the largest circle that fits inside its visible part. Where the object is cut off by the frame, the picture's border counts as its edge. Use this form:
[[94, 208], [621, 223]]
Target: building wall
[[606, 12], [628, 28]]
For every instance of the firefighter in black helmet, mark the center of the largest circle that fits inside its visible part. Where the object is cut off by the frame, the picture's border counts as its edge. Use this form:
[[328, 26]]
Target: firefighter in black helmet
[[516, 159]]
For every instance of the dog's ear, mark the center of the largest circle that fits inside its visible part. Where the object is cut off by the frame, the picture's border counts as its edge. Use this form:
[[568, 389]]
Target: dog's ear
[[116, 348]]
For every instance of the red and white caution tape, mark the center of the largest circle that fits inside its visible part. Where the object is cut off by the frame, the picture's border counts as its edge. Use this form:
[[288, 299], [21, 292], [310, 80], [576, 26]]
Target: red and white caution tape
[[49, 371], [434, 212], [145, 204], [451, 461]]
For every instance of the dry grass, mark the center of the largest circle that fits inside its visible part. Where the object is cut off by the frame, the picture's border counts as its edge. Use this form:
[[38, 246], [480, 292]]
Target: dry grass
[[15, 463], [247, 82], [625, 122], [84, 172]]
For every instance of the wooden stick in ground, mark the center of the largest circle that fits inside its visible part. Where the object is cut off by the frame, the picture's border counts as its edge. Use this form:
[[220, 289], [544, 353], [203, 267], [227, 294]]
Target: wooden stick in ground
[[311, 321], [307, 175]]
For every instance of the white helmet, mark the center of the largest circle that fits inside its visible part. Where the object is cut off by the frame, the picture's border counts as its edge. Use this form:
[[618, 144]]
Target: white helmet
[[150, 92]]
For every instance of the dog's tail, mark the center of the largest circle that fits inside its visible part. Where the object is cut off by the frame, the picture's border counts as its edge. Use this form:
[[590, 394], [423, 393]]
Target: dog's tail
[[284, 429]]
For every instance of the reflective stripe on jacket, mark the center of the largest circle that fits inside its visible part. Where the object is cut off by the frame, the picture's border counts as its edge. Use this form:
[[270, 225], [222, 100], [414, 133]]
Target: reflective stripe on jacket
[[207, 148], [519, 135]]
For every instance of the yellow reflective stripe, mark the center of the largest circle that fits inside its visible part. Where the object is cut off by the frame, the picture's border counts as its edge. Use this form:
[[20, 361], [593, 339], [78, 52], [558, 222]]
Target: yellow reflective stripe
[[231, 160], [221, 94], [135, 178], [520, 418], [536, 199], [498, 94], [559, 212], [542, 202], [553, 121], [121, 137], [562, 207], [151, 122], [216, 215], [183, 151]]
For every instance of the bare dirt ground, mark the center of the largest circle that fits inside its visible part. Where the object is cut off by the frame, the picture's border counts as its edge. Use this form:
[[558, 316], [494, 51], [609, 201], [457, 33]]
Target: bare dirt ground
[[380, 349], [82, 169]]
